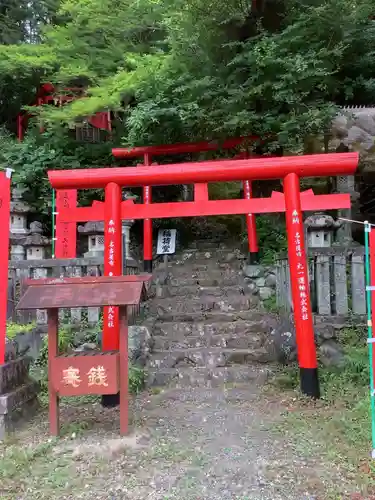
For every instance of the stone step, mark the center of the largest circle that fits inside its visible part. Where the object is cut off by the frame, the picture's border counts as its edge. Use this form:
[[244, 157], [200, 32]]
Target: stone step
[[212, 243], [193, 266], [212, 357], [253, 340], [175, 330], [215, 254], [196, 267], [206, 279], [208, 377], [170, 305], [200, 291], [213, 316]]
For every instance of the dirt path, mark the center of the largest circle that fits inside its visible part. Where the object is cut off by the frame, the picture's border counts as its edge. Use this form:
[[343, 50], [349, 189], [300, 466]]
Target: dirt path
[[192, 444]]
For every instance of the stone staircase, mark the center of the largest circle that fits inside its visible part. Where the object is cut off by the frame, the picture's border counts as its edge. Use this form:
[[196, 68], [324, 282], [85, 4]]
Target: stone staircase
[[208, 329]]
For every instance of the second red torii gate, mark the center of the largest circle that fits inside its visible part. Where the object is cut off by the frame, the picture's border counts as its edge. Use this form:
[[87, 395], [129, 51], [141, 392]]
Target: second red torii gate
[[149, 152], [292, 202]]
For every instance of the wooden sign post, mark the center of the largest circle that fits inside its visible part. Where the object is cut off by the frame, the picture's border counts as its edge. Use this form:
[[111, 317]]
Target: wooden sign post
[[88, 372]]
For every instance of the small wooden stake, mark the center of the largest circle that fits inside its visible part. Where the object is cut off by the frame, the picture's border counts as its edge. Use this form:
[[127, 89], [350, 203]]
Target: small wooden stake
[[53, 342], [124, 372]]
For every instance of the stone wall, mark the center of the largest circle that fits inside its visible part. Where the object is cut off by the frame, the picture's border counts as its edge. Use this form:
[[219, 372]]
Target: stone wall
[[354, 129], [18, 392], [281, 342], [260, 280]]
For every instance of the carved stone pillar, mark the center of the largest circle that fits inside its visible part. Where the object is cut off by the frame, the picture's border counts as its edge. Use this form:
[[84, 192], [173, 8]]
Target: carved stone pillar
[[126, 254], [17, 252], [126, 225], [18, 225]]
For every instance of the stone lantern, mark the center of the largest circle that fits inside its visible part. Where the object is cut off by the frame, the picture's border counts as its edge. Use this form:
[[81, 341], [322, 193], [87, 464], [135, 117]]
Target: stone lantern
[[35, 246], [35, 243], [320, 230], [18, 213], [18, 224], [95, 238]]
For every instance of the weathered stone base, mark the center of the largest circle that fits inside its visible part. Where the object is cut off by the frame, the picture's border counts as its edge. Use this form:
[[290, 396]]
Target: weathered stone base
[[260, 280], [14, 373], [18, 406], [339, 322]]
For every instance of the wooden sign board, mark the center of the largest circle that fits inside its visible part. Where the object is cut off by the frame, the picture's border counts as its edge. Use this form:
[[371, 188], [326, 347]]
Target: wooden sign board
[[94, 373], [166, 242], [83, 292]]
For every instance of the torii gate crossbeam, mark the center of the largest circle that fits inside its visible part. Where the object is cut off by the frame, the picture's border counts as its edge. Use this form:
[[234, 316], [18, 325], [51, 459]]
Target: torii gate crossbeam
[[204, 172]]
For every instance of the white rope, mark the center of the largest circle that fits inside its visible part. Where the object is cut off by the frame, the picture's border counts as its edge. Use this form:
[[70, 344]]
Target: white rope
[[356, 221]]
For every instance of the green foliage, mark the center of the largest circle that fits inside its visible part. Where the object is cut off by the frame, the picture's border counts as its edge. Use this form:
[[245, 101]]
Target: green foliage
[[271, 305], [14, 329], [355, 374], [66, 342], [136, 379], [340, 423], [224, 190], [198, 70], [179, 71], [271, 237], [32, 158], [341, 382]]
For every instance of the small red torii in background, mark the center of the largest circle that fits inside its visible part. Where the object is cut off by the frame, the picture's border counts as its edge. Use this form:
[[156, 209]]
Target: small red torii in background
[[148, 152]]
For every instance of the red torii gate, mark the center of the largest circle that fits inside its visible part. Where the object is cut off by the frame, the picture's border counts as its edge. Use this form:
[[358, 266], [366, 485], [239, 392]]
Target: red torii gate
[[148, 152], [291, 169]]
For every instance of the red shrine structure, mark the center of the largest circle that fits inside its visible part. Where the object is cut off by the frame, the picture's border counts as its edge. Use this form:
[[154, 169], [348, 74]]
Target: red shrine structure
[[242, 168], [149, 152], [48, 95], [115, 292]]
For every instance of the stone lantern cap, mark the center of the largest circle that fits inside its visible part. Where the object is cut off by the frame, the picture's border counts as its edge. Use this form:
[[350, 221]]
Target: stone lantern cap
[[92, 228], [36, 238], [321, 221], [127, 195], [17, 239], [127, 222], [17, 205]]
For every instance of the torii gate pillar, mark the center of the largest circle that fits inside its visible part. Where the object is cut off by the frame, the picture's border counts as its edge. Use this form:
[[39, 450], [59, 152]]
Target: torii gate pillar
[[299, 280]]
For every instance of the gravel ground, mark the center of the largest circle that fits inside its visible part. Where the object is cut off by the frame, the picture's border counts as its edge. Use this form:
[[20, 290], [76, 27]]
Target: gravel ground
[[199, 444]]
